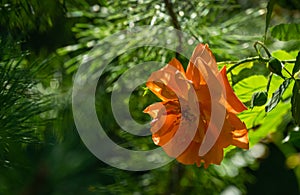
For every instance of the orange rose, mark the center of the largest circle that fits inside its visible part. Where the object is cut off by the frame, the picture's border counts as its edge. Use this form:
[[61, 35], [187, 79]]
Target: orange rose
[[183, 123]]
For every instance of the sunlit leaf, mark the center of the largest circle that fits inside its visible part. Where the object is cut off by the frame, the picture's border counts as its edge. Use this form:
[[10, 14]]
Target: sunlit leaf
[[261, 125], [297, 64], [283, 55], [276, 96], [247, 70], [286, 32], [296, 102], [245, 88]]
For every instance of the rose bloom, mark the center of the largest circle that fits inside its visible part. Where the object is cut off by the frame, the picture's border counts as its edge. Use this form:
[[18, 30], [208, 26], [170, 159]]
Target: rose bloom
[[184, 117]]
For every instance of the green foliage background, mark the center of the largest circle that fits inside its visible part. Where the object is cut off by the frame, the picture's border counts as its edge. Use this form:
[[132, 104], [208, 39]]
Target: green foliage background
[[42, 44]]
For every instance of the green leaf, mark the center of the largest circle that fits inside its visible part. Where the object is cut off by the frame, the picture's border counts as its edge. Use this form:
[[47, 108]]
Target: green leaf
[[270, 6], [296, 102], [245, 88], [261, 125], [248, 70], [283, 55], [276, 96], [294, 138], [275, 66], [259, 98], [286, 32], [297, 64]]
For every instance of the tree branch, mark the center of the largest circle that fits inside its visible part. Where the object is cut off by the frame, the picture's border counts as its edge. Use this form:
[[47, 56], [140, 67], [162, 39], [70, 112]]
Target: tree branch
[[172, 14], [175, 23]]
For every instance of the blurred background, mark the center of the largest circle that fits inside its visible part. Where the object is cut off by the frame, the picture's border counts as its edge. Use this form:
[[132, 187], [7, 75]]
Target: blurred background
[[42, 44]]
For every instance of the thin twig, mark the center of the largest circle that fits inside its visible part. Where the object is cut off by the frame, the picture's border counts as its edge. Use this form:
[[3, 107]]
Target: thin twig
[[288, 61], [263, 46], [286, 70], [251, 59]]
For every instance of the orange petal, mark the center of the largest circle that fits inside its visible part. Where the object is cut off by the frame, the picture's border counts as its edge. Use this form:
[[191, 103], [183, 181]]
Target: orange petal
[[234, 104], [170, 82], [185, 133], [194, 75], [240, 139], [209, 87], [161, 140], [190, 155], [201, 55], [234, 132], [202, 126], [175, 63], [154, 109], [165, 116], [239, 132], [214, 156], [161, 90]]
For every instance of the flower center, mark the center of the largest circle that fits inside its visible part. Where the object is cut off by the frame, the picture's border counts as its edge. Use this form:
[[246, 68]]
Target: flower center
[[187, 114]]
